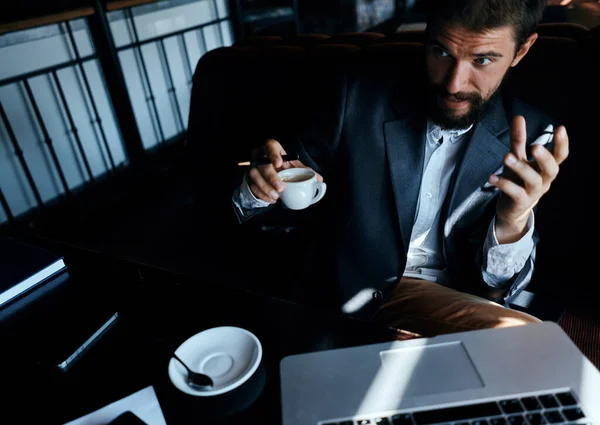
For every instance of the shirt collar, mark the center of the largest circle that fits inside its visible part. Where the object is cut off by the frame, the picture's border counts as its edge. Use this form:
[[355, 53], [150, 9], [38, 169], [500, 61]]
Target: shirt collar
[[435, 132]]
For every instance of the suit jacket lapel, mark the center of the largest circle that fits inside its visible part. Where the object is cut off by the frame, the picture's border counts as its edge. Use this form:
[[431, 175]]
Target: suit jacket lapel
[[405, 140], [405, 148], [483, 155]]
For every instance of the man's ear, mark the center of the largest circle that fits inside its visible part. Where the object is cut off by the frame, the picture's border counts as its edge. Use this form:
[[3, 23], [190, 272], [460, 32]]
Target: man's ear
[[524, 49]]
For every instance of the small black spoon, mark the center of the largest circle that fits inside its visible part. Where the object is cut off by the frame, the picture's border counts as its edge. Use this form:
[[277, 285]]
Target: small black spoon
[[196, 380]]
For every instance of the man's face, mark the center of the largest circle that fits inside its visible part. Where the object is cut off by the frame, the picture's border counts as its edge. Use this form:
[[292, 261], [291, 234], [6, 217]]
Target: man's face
[[465, 69]]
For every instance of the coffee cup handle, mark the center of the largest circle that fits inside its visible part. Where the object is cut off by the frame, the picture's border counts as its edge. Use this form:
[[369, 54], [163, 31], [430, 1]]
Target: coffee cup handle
[[320, 192]]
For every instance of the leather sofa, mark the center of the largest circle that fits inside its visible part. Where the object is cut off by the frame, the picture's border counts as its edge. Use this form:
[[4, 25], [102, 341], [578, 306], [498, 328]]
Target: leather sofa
[[241, 91]]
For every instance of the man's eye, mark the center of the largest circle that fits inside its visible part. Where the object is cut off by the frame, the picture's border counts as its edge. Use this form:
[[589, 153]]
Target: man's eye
[[439, 52], [483, 61]]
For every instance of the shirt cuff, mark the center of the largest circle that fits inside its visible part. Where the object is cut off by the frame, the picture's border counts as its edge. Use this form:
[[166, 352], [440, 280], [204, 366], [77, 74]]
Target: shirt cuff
[[244, 200], [502, 262]]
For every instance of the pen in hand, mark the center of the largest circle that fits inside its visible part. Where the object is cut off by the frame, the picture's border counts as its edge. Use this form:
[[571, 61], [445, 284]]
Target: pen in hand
[[265, 161]]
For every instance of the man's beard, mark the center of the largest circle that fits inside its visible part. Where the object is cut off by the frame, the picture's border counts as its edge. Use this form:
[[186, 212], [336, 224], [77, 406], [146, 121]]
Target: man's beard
[[443, 116]]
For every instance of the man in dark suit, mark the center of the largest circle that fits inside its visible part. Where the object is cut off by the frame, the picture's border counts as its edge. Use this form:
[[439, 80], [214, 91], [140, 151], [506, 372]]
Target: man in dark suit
[[432, 187]]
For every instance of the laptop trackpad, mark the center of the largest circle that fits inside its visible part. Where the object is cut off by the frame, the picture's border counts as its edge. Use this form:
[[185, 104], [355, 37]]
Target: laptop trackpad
[[438, 368]]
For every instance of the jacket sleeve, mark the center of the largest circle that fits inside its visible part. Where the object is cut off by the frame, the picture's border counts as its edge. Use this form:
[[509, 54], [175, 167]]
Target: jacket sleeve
[[312, 128], [510, 289]]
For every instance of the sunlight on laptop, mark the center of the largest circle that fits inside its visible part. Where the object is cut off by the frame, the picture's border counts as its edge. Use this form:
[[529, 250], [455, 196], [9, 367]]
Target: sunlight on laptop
[[385, 389], [419, 371]]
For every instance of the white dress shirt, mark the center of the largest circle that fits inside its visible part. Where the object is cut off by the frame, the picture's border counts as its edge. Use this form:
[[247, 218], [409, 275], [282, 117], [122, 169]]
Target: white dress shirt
[[425, 252], [244, 199], [425, 257]]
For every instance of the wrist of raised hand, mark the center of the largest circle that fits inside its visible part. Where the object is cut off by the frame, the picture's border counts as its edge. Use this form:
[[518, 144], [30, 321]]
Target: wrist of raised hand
[[511, 231]]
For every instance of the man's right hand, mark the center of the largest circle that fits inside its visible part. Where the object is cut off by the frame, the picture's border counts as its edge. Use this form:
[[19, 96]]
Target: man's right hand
[[263, 180]]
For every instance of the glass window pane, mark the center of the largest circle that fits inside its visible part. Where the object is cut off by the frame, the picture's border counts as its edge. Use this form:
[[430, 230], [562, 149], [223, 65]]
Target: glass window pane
[[192, 42], [74, 108], [212, 36], [227, 31], [154, 23], [223, 8], [142, 108], [188, 29], [81, 35], [119, 27], [29, 50]]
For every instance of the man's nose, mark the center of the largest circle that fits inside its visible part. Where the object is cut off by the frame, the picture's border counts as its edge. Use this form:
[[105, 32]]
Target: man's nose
[[457, 78]]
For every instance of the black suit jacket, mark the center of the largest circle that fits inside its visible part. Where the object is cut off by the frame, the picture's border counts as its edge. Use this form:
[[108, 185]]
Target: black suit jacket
[[365, 134]]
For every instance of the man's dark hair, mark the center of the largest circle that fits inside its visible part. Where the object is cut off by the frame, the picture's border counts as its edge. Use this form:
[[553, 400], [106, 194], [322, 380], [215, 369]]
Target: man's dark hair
[[482, 15]]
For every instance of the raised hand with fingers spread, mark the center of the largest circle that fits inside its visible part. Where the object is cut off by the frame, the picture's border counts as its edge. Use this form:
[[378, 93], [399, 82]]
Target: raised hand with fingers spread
[[524, 181]]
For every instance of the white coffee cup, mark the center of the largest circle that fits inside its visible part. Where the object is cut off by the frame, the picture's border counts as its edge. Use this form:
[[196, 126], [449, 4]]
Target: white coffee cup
[[301, 188]]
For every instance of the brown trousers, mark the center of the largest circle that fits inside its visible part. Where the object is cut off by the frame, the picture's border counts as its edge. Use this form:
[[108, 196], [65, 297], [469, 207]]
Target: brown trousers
[[421, 308]]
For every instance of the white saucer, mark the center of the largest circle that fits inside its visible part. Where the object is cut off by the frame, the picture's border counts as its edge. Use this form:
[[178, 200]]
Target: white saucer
[[227, 354]]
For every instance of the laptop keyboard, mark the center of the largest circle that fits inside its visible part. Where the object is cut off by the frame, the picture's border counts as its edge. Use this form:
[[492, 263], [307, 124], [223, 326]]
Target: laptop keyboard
[[545, 409]]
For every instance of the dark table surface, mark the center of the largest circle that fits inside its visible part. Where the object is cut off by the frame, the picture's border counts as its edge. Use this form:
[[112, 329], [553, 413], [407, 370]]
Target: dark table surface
[[158, 310]]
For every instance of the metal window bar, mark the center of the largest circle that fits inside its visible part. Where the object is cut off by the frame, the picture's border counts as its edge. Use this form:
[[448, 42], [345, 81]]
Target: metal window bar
[[186, 57], [74, 131], [47, 138], [21, 157], [79, 62], [42, 71], [138, 43], [171, 84], [138, 50], [97, 120], [214, 3], [6, 207], [202, 39], [52, 72]]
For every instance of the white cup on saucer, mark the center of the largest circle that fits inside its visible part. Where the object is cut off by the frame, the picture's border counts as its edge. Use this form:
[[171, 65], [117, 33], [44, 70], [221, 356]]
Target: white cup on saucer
[[228, 354]]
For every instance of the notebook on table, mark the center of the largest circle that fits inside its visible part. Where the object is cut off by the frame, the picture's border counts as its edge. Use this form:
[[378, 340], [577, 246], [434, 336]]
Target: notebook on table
[[23, 267], [525, 375], [47, 318]]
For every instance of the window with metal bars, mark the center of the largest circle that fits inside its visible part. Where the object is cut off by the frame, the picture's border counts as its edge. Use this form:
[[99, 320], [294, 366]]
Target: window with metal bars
[[59, 132]]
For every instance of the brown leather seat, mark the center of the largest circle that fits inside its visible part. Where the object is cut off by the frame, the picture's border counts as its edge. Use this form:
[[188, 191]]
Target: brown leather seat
[[356, 38], [572, 30], [306, 40], [410, 36]]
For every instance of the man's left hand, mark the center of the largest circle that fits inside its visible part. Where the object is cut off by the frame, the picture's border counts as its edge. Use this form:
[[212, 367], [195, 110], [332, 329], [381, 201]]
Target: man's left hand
[[524, 182]]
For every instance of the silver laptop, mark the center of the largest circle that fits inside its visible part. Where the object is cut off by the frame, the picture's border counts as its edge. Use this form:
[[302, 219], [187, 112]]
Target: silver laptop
[[526, 375]]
